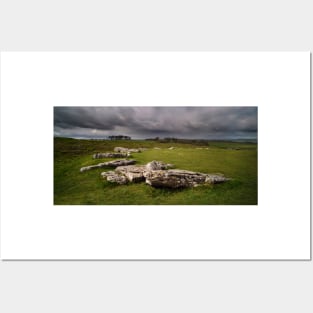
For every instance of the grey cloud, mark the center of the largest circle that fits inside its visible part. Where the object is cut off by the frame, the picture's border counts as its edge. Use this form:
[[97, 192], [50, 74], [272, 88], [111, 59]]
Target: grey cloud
[[144, 122]]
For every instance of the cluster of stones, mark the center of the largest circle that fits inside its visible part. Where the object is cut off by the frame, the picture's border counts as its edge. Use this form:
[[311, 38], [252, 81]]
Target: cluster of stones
[[155, 173], [126, 150], [125, 174], [159, 174], [119, 152]]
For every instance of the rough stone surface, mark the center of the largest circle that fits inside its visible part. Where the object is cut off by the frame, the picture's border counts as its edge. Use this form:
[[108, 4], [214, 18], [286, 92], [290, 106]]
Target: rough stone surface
[[120, 149], [117, 163], [110, 155], [138, 173], [181, 178], [133, 173], [114, 164], [215, 178], [114, 177], [126, 150], [157, 165]]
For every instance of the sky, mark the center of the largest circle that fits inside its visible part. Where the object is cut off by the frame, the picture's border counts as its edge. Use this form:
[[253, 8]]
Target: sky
[[150, 122]]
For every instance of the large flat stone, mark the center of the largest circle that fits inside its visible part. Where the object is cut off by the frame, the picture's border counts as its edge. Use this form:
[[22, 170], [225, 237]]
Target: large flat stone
[[127, 150], [113, 164], [132, 173], [110, 155], [181, 178]]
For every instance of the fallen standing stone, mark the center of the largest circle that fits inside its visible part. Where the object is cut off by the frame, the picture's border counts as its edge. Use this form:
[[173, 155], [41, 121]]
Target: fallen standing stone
[[114, 164], [181, 178], [126, 150], [110, 155]]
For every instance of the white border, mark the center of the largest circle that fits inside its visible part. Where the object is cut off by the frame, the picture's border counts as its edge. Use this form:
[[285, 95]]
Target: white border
[[32, 83]]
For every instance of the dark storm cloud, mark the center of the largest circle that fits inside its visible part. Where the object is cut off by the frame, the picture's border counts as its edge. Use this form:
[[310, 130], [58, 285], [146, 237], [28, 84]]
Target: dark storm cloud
[[144, 122]]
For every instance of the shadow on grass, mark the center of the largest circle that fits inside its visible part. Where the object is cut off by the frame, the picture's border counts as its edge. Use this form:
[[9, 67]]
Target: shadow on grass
[[165, 191]]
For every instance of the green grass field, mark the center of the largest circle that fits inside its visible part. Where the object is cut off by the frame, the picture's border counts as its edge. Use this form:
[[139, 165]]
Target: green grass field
[[235, 160]]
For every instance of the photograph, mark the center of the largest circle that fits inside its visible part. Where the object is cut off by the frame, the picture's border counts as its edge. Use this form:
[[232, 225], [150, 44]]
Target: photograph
[[149, 155]]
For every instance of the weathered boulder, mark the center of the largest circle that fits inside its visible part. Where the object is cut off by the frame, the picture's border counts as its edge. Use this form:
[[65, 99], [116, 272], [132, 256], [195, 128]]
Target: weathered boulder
[[114, 177], [110, 155], [132, 173], [122, 162], [157, 165], [174, 178], [215, 178], [138, 173], [126, 150], [114, 164], [181, 178], [120, 149]]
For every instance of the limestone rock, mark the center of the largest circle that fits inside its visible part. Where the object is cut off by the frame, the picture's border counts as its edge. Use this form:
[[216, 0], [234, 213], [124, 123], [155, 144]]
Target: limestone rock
[[138, 173], [122, 162], [157, 165], [181, 178], [174, 178], [91, 167], [114, 164], [133, 173], [120, 149], [114, 177], [215, 178], [126, 150], [110, 155]]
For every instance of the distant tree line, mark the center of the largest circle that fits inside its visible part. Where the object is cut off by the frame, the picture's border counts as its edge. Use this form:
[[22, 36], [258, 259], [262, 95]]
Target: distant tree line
[[166, 139], [198, 142], [119, 137]]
